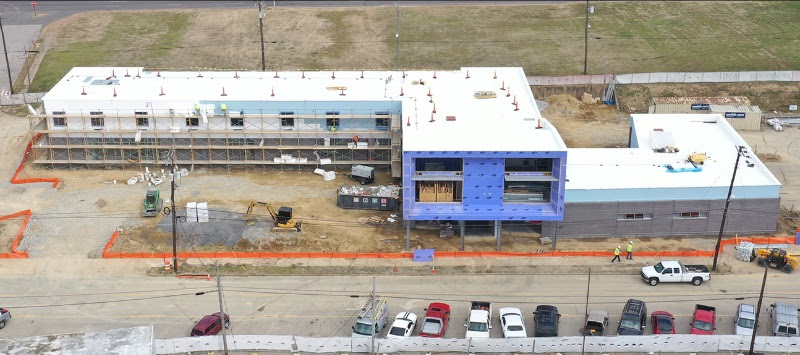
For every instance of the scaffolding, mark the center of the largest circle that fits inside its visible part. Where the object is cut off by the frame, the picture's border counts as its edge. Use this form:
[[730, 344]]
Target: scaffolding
[[249, 139]]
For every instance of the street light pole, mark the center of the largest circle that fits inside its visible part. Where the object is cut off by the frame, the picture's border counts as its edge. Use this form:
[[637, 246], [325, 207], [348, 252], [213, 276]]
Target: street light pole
[[586, 40], [261, 30], [739, 152], [758, 310]]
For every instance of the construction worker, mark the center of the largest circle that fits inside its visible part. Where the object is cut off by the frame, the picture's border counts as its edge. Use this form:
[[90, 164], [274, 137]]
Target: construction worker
[[616, 254], [224, 109], [630, 251], [197, 109]]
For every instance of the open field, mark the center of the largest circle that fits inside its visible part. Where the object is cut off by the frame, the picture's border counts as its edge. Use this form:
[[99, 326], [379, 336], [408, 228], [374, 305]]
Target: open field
[[544, 39]]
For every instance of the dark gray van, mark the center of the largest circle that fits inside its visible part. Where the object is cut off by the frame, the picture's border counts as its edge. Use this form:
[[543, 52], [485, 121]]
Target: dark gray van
[[634, 318]]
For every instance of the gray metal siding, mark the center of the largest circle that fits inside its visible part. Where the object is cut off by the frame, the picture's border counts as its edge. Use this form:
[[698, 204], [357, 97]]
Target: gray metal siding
[[600, 218]]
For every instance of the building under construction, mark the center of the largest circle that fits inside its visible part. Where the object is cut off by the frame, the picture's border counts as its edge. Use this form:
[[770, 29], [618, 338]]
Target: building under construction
[[129, 116]]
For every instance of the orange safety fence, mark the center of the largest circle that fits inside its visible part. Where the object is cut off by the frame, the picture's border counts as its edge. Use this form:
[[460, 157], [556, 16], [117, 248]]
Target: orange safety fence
[[15, 253], [15, 180], [438, 254]]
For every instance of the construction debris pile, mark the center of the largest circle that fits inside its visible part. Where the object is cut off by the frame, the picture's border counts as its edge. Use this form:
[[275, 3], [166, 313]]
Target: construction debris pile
[[392, 191], [154, 178]]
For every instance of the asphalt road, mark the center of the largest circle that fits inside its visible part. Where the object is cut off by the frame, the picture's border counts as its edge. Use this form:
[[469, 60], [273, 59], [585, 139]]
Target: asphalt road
[[325, 306]]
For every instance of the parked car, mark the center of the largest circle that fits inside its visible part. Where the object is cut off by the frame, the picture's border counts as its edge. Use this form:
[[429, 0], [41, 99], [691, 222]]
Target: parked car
[[663, 322], [545, 320], [5, 316], [512, 322], [596, 323], [480, 320], [437, 315], [634, 318], [704, 320], [403, 326], [372, 317], [211, 324], [745, 319], [675, 271], [784, 320]]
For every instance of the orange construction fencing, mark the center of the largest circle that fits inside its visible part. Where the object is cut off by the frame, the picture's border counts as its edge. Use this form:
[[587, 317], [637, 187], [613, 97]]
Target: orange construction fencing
[[15, 180], [15, 253]]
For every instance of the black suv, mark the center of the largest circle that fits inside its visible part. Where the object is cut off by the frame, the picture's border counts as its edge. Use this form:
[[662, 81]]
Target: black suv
[[634, 318], [546, 321]]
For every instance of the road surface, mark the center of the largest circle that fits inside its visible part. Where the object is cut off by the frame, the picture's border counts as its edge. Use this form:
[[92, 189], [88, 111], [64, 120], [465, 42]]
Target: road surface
[[325, 306]]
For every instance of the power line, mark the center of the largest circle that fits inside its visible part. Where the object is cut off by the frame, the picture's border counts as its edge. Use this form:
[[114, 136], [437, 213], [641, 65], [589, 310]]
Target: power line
[[111, 301]]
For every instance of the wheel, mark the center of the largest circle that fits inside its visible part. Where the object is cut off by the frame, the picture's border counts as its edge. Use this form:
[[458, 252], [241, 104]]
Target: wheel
[[653, 281], [227, 324], [2, 324], [697, 281], [787, 269], [761, 262]]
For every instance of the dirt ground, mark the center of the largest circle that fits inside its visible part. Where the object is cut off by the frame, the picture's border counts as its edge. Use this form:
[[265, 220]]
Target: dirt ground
[[8, 231], [587, 125]]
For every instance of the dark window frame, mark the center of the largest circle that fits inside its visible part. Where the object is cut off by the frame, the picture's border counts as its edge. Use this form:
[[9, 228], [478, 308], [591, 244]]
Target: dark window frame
[[59, 121]]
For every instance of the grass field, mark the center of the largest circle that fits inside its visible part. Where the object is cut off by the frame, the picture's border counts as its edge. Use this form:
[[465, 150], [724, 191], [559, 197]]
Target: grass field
[[543, 39]]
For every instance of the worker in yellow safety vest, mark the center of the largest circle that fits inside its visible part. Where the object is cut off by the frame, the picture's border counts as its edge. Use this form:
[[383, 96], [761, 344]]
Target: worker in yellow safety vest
[[616, 255], [196, 109], [630, 251]]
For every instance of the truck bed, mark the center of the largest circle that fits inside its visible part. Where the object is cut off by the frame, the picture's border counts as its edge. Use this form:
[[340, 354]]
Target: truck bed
[[696, 268]]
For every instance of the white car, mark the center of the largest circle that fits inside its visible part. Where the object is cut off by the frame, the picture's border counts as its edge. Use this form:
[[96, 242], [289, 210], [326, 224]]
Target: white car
[[513, 323], [403, 326]]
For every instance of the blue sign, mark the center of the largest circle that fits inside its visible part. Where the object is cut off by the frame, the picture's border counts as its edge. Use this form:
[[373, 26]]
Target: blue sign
[[423, 255], [701, 107], [734, 114]]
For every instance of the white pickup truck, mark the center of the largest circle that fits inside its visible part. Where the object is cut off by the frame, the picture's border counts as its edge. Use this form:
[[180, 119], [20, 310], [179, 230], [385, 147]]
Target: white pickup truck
[[675, 271], [480, 320]]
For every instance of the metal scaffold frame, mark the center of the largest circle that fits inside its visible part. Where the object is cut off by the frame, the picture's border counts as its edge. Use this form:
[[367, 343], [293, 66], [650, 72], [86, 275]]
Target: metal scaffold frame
[[249, 139]]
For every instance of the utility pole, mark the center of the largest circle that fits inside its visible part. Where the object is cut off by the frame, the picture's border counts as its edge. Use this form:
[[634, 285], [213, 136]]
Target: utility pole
[[397, 34], [221, 310], [174, 213], [261, 30], [372, 320], [586, 311], [739, 152], [758, 310], [5, 52], [586, 39]]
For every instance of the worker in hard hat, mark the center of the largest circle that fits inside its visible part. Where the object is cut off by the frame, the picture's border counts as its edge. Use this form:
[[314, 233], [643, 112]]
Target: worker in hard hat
[[616, 255], [197, 109], [630, 251], [224, 109]]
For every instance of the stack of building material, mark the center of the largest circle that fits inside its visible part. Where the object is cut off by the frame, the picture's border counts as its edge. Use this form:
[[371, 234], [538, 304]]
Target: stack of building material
[[191, 212], [744, 251], [202, 212], [329, 175]]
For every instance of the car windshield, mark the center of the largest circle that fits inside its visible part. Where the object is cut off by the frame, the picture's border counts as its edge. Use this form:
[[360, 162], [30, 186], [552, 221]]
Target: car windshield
[[664, 324], [362, 328], [659, 268], [629, 324], [431, 326], [397, 331], [594, 326], [701, 325], [197, 332], [515, 328], [746, 323], [477, 327]]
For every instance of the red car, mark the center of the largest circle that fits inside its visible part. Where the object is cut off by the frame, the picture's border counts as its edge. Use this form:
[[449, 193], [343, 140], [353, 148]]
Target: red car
[[437, 315], [211, 324], [663, 322], [704, 320]]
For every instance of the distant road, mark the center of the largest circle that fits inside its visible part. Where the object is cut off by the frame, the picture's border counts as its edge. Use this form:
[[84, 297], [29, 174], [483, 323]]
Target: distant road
[[21, 12]]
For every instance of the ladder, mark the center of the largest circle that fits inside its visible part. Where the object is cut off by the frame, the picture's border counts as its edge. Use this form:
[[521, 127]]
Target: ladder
[[367, 306]]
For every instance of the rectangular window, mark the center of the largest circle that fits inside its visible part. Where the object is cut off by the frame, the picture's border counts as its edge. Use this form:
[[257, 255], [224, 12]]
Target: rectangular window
[[332, 122], [98, 122], [690, 215], [526, 191], [192, 121], [287, 123], [96, 113], [142, 121], [59, 113], [141, 113], [634, 216], [529, 164], [439, 164], [439, 191], [382, 123], [59, 122], [237, 122]]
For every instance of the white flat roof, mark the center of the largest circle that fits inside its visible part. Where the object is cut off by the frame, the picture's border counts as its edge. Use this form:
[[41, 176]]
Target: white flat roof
[[630, 168], [490, 124]]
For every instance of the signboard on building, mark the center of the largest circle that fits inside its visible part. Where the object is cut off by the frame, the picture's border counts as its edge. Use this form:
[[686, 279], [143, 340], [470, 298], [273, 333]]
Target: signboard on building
[[734, 114], [701, 107]]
